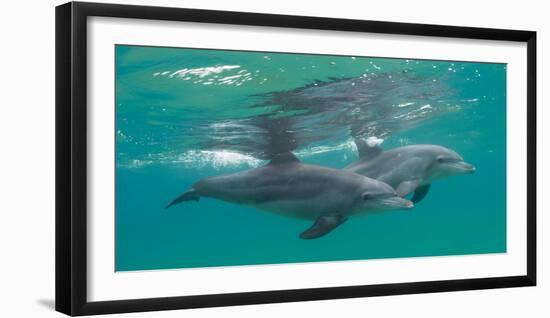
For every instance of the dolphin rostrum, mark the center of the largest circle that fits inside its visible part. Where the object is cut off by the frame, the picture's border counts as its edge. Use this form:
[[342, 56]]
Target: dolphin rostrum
[[288, 187], [408, 169]]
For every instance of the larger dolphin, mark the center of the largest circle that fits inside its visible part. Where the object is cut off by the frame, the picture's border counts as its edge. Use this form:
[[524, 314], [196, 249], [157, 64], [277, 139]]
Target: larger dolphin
[[288, 187], [408, 169]]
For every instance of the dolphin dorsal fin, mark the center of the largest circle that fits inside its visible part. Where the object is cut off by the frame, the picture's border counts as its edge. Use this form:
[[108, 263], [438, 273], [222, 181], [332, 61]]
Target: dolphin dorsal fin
[[285, 157], [365, 150]]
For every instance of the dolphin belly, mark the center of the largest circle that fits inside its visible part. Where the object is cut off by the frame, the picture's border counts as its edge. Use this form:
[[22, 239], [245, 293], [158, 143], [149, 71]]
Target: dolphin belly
[[301, 209]]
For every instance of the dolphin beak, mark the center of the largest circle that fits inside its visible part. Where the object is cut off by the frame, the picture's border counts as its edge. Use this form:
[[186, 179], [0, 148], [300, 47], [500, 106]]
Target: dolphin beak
[[466, 167], [398, 203]]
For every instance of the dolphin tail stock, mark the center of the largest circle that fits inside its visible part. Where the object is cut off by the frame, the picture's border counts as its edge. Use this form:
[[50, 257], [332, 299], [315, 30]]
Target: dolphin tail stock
[[190, 195]]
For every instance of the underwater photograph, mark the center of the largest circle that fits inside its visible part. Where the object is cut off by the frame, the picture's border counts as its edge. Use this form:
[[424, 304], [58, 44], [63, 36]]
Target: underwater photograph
[[234, 158]]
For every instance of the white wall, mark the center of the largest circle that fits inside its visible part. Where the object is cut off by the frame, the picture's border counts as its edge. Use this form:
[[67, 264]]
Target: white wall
[[27, 159]]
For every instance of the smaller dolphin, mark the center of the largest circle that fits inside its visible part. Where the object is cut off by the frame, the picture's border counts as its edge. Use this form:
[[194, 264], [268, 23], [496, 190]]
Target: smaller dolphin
[[288, 187], [408, 169]]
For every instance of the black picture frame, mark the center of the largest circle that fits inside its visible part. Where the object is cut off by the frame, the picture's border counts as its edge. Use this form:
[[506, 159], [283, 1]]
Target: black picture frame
[[71, 157]]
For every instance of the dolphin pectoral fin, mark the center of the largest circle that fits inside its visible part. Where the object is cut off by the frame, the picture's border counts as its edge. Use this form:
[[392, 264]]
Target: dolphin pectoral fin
[[190, 195], [420, 193], [322, 226], [407, 187]]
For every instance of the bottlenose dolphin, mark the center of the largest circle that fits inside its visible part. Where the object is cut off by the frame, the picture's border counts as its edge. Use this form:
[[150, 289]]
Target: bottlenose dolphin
[[410, 168], [288, 187]]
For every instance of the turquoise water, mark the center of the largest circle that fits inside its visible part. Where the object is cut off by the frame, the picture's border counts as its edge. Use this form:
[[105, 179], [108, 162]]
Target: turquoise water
[[186, 114]]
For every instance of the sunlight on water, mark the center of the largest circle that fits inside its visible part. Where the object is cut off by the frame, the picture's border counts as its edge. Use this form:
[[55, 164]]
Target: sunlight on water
[[216, 159], [211, 75]]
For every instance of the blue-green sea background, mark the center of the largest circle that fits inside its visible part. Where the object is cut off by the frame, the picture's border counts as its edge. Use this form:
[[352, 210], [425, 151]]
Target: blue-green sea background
[[177, 108]]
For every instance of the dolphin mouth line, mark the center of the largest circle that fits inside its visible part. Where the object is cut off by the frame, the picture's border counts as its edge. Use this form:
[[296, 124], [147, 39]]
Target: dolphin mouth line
[[465, 167], [397, 202]]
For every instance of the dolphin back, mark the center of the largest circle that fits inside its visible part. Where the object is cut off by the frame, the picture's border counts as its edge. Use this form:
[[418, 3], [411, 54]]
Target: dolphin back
[[366, 151]]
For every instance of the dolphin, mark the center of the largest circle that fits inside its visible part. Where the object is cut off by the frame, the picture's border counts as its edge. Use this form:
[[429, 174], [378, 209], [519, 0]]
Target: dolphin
[[288, 187], [408, 169]]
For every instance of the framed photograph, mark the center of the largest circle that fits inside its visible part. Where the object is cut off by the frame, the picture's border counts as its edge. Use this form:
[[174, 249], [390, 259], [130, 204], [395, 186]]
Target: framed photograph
[[208, 158]]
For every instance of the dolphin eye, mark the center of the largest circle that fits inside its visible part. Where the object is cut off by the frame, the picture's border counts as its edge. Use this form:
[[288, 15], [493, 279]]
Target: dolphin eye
[[366, 197], [440, 160]]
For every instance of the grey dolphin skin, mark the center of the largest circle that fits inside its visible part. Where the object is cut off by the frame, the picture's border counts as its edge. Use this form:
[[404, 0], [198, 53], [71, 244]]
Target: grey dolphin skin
[[408, 169], [288, 187]]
